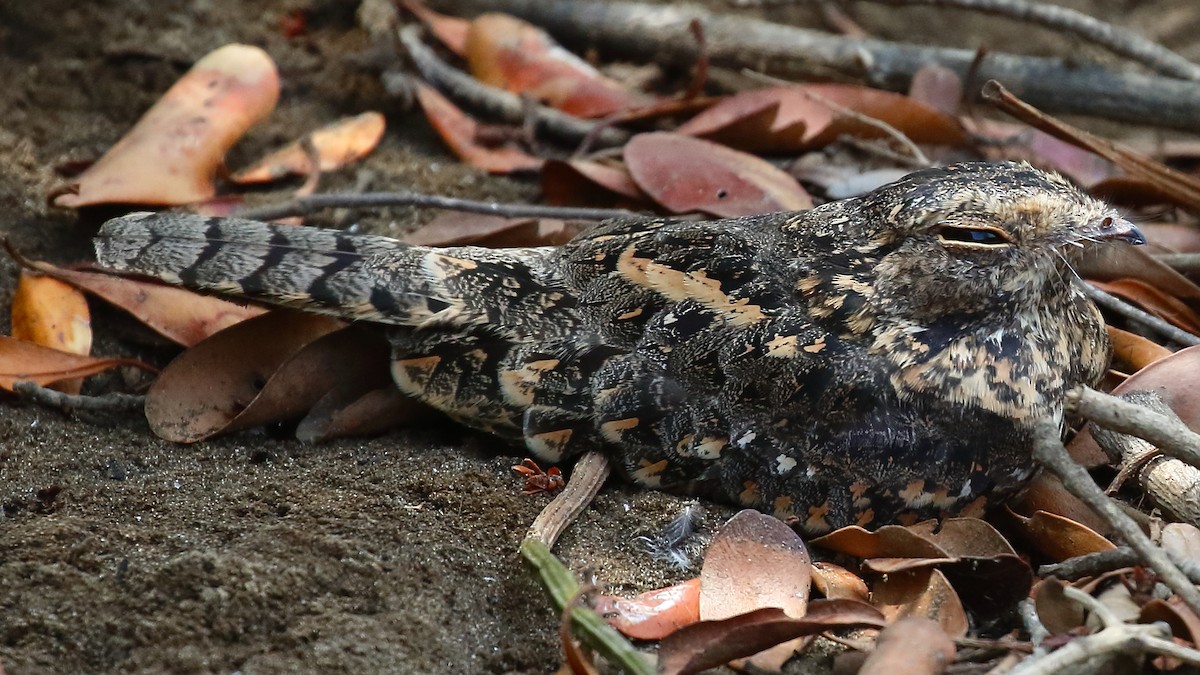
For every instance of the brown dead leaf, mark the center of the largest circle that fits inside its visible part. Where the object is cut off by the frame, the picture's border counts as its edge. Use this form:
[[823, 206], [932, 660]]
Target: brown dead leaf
[[924, 593], [1155, 301], [21, 360], [789, 120], [1182, 540], [987, 573], [911, 646], [353, 408], [838, 583], [173, 153], [1109, 263], [1047, 493], [182, 316], [655, 614], [1059, 538], [50, 313], [938, 87], [270, 368], [709, 644], [1057, 612], [1134, 351], [756, 561], [1171, 237], [477, 229], [338, 144], [685, 174], [889, 541], [517, 56], [460, 133]]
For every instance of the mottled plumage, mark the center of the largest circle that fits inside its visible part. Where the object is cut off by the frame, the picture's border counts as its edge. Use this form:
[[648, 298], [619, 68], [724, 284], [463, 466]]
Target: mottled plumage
[[872, 360]]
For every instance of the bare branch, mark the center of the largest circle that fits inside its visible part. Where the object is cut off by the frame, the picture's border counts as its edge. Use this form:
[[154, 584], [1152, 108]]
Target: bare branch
[[1115, 304], [302, 206]]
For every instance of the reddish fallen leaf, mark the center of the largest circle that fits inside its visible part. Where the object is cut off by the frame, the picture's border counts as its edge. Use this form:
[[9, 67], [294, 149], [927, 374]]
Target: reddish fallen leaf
[[689, 174], [1155, 301], [270, 368], [1184, 623], [1132, 192], [338, 144], [756, 561], [459, 132], [1018, 142], [173, 153], [587, 182], [451, 31], [938, 87], [911, 646], [838, 583], [21, 360], [987, 573], [922, 593], [50, 313], [182, 316], [1059, 538], [709, 644], [1110, 263], [789, 119], [655, 614], [515, 55], [457, 229]]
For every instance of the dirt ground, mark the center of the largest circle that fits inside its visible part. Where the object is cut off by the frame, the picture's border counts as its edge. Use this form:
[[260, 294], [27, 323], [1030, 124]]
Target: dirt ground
[[120, 552]]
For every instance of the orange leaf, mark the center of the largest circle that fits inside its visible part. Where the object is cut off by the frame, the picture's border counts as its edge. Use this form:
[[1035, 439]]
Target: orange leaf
[[689, 174], [346, 140], [1134, 350], [1155, 301], [173, 153], [451, 31], [1059, 538], [48, 312], [456, 229], [182, 316], [21, 360], [512, 54], [924, 593], [459, 132], [655, 614]]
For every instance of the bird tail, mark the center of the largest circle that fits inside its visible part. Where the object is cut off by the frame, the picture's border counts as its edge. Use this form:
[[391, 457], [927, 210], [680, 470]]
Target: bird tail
[[359, 277]]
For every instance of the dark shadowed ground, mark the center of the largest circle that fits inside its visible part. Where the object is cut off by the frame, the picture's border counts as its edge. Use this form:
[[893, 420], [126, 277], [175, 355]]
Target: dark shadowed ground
[[123, 553]]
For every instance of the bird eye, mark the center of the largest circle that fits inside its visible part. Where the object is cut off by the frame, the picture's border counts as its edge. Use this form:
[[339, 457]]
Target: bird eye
[[975, 236]]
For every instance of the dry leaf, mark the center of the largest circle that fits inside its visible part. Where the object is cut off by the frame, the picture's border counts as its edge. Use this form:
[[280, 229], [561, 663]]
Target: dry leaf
[[1155, 301], [789, 120], [756, 561], [889, 541], [517, 56], [1047, 493], [182, 316], [709, 644], [587, 182], [50, 313], [338, 144], [838, 583], [685, 174], [21, 360], [173, 153], [459, 229], [209, 387], [459, 132], [924, 593], [1133, 350], [1057, 613], [655, 614], [911, 646], [1060, 538], [451, 31]]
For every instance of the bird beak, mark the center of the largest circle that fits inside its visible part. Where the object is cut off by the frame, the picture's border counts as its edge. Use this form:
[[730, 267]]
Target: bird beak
[[1114, 228]]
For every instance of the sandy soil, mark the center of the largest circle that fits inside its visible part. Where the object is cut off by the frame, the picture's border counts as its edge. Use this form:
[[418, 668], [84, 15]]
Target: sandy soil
[[123, 553]]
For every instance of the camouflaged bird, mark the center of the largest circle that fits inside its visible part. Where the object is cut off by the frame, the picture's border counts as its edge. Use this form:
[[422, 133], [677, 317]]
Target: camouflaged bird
[[873, 360]]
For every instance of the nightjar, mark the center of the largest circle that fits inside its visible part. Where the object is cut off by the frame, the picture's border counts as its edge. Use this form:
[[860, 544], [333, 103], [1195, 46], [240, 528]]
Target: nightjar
[[872, 360]]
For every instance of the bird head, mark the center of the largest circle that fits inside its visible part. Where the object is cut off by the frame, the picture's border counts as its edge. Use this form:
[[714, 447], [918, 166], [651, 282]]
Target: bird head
[[979, 237]]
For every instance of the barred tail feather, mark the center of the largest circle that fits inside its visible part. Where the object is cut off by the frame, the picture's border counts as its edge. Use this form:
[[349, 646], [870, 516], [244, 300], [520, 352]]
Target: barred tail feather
[[357, 277]]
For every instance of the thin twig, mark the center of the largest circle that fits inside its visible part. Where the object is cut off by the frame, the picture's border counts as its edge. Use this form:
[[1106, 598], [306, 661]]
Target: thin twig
[[1166, 432], [1048, 449], [1115, 304], [1181, 262], [1116, 638], [659, 33], [302, 206], [71, 403], [589, 474], [1095, 564], [1033, 623], [505, 105], [1120, 41], [891, 131]]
